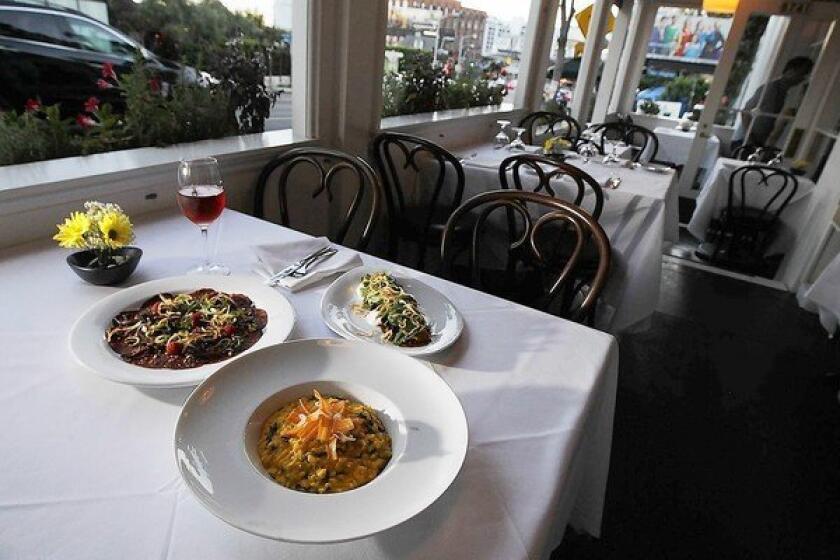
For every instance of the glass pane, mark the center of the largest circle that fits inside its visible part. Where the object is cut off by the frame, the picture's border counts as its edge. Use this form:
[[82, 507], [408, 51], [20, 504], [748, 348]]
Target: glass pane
[[769, 80], [445, 54], [567, 50], [683, 52]]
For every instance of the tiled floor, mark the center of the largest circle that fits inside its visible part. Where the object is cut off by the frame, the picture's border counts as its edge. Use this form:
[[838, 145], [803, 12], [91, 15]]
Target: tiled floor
[[727, 430]]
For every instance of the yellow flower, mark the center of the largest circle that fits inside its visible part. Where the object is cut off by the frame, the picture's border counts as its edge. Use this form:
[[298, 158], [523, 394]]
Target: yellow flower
[[116, 230], [71, 234]]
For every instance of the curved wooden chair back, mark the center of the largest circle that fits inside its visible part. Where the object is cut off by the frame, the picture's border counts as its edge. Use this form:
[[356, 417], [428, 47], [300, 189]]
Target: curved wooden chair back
[[542, 125], [446, 171], [781, 184], [563, 284], [328, 165], [630, 134], [546, 170]]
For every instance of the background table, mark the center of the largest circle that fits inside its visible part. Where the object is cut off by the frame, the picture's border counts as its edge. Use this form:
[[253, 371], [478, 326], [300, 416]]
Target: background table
[[713, 199], [88, 469], [675, 146], [638, 218]]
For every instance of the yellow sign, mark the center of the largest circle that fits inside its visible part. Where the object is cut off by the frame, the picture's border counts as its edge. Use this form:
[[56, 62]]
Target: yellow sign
[[583, 17], [720, 6]]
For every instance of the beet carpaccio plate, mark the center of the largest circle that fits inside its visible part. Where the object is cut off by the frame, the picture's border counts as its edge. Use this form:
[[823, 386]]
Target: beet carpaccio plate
[[175, 332], [186, 330]]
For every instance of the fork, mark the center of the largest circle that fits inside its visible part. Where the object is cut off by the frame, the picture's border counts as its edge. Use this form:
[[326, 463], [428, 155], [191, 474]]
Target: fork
[[300, 268]]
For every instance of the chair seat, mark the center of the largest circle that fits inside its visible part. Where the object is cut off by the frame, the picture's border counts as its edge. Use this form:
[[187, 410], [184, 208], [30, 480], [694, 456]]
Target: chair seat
[[748, 218]]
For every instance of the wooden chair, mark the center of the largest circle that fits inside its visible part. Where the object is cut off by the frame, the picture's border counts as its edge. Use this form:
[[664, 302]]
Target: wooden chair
[[553, 124], [328, 165], [420, 223], [633, 135], [743, 231], [532, 276], [545, 170]]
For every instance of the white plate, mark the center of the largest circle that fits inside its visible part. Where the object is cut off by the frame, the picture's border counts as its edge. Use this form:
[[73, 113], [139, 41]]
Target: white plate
[[217, 431], [87, 338], [336, 310]]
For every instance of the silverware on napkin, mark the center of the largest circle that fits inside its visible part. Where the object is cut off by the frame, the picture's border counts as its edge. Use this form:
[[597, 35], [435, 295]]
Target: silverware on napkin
[[302, 267]]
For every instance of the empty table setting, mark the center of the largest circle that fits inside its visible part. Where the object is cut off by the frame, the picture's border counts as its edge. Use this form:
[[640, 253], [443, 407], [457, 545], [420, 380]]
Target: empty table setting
[[675, 146], [499, 436]]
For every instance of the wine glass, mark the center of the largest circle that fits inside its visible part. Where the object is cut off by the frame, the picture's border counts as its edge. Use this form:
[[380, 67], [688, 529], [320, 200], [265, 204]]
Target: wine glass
[[518, 143], [201, 197], [586, 148], [501, 139]]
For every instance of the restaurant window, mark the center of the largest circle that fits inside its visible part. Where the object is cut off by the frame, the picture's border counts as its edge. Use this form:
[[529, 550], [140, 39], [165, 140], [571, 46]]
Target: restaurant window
[[89, 76], [570, 31], [683, 51], [450, 54]]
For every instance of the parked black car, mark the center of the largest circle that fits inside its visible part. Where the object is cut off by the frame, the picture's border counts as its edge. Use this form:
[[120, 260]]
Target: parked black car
[[56, 55]]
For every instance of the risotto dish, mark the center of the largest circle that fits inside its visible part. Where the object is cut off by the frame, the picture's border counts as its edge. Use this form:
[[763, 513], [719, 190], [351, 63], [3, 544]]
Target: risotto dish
[[324, 445]]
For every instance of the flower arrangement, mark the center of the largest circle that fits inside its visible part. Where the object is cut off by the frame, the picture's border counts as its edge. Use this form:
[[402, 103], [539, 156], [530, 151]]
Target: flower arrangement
[[556, 145], [101, 228]]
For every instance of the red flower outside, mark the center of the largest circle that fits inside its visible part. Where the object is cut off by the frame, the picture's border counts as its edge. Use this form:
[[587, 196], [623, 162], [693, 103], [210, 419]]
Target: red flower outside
[[154, 85], [84, 121], [32, 105], [102, 84], [92, 104], [108, 71]]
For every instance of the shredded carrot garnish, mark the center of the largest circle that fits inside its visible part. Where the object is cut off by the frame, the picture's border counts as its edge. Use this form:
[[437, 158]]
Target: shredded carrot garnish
[[324, 424]]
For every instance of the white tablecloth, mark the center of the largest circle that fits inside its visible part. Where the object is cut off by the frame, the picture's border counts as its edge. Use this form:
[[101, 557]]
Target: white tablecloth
[[675, 145], [87, 468], [823, 296], [713, 199], [635, 218]]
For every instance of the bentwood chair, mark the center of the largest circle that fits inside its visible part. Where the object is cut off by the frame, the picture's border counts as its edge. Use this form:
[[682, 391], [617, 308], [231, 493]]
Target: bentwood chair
[[541, 125], [757, 196], [532, 274], [329, 172], [644, 139], [545, 170], [416, 216]]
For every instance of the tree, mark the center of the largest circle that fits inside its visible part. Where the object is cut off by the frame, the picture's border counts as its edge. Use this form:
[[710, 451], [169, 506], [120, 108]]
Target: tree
[[567, 12]]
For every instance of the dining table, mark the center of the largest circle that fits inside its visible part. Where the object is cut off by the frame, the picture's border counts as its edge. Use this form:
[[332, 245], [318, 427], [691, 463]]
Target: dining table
[[714, 195], [88, 466], [639, 218], [675, 146]]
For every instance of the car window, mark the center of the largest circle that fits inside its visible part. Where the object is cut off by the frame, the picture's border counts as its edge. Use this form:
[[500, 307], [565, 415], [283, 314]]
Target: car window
[[92, 37], [34, 26]]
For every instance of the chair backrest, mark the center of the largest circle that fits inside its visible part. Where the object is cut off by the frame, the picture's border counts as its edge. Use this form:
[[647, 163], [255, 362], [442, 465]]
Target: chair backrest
[[541, 125], [562, 282], [781, 186], [328, 164], [447, 172], [630, 134], [545, 170], [762, 154]]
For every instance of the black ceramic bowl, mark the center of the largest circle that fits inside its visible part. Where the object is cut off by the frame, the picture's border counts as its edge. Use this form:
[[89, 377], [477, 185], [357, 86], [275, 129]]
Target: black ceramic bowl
[[107, 276]]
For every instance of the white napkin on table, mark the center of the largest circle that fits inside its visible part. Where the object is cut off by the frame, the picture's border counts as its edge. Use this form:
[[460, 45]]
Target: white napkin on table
[[275, 257]]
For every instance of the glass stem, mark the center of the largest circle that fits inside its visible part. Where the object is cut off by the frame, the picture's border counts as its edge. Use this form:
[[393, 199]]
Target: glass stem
[[206, 245]]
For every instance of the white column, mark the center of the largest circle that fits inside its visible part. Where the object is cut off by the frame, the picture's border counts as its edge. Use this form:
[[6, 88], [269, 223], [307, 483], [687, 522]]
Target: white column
[[705, 126], [582, 98], [534, 62], [617, 47], [633, 58]]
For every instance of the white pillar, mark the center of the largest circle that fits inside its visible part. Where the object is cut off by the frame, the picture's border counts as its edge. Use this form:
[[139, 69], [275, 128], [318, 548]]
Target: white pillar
[[534, 62], [633, 57], [705, 126], [617, 47], [582, 98]]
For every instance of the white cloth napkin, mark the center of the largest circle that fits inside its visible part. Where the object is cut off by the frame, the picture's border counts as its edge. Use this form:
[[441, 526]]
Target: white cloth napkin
[[275, 257]]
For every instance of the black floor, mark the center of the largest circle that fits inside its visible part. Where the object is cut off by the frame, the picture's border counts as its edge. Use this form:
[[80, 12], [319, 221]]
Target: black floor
[[726, 439]]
